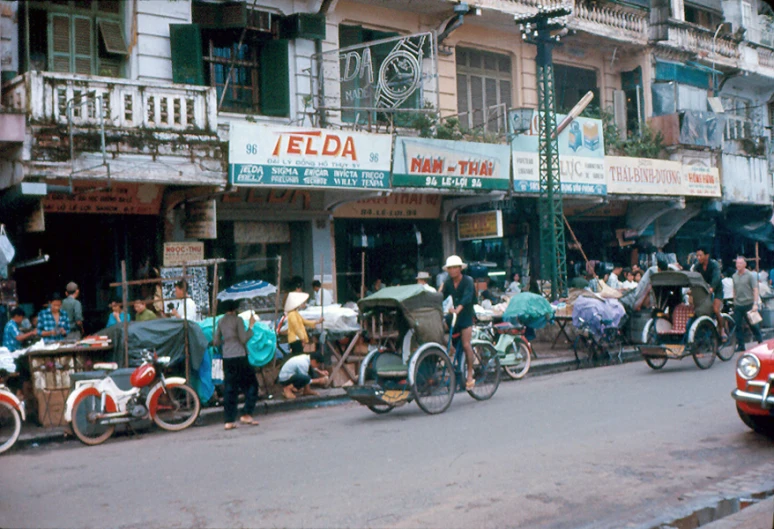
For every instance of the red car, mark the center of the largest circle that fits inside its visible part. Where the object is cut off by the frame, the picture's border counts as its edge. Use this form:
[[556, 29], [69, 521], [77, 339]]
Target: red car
[[754, 393]]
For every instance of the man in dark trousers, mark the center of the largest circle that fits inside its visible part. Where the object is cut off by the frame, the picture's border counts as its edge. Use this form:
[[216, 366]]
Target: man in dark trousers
[[745, 299], [710, 271], [463, 292]]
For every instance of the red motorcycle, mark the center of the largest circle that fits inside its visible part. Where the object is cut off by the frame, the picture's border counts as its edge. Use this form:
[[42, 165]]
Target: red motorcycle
[[128, 395]]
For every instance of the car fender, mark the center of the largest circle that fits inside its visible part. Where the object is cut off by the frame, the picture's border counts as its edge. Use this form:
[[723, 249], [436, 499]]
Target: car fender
[[15, 403], [84, 391], [695, 326], [153, 395], [413, 361]]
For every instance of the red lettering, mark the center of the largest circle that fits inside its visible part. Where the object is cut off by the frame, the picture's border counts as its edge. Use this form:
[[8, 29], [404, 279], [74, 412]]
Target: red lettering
[[438, 166], [294, 144], [463, 167], [331, 146], [309, 149], [276, 150], [349, 149], [426, 168], [416, 165]]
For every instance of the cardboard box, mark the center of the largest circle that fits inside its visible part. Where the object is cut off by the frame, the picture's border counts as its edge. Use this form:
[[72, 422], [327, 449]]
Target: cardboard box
[[51, 406]]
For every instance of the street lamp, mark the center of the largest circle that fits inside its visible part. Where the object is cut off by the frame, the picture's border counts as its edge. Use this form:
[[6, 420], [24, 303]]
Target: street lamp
[[545, 29]]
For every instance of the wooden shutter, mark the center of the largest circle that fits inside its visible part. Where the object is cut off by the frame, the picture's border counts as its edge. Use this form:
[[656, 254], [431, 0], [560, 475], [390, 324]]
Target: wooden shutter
[[187, 62], [113, 37], [83, 44], [59, 43], [275, 78]]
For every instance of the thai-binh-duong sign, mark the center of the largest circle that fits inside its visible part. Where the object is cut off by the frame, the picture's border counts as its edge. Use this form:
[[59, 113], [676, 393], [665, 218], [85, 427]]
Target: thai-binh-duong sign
[[581, 158], [443, 164], [645, 176], [275, 156]]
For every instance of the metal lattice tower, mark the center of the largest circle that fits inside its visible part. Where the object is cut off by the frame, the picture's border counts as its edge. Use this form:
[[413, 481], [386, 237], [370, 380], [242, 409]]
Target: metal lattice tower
[[537, 29]]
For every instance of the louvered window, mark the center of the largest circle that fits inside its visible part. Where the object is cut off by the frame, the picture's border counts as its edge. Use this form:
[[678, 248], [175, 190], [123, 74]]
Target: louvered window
[[71, 43], [484, 89]]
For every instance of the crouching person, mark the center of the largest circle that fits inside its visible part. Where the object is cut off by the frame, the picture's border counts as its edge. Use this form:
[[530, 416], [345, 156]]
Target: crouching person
[[299, 372]]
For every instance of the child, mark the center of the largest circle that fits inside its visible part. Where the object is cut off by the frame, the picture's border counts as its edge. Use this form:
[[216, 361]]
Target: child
[[297, 336]]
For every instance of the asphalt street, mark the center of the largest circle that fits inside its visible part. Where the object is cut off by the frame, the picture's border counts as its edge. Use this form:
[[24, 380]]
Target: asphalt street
[[614, 447]]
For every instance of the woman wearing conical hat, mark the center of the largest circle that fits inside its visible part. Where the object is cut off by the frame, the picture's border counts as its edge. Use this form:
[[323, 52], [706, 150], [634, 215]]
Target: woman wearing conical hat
[[297, 325]]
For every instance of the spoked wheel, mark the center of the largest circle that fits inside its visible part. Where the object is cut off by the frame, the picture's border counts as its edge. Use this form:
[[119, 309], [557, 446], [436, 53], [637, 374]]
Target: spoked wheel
[[654, 362], [434, 381], [584, 349], [486, 371], [85, 424], [10, 426], [518, 359], [370, 376], [727, 347], [177, 408], [705, 345]]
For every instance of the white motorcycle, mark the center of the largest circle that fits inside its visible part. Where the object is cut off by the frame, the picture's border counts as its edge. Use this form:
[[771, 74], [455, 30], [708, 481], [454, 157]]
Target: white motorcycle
[[95, 406]]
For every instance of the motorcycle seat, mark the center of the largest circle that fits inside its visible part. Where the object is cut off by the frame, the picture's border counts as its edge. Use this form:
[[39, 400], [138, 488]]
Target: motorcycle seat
[[509, 328]]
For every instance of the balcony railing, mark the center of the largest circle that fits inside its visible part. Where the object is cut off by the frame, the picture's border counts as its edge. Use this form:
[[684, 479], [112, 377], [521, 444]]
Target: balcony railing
[[702, 42], [125, 104], [614, 23], [766, 58]]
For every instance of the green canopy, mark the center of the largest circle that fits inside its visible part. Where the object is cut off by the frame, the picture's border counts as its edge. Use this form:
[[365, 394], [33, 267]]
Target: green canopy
[[420, 307]]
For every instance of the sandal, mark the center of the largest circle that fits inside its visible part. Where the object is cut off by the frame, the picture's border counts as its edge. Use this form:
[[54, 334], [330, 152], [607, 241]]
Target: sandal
[[230, 426], [470, 384], [249, 420]]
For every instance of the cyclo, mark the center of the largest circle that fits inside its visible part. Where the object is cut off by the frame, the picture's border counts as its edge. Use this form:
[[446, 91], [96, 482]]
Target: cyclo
[[678, 329], [406, 359]]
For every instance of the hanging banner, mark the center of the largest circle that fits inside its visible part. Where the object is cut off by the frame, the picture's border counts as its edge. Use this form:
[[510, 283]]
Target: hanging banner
[[581, 158], [394, 206], [443, 164], [645, 176], [97, 197], [201, 220], [262, 155], [484, 225]]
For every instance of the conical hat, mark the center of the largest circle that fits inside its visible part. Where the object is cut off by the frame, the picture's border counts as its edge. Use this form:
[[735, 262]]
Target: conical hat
[[295, 300]]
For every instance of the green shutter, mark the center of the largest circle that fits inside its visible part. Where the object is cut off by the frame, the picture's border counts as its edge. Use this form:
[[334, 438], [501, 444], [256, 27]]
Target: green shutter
[[275, 78], [187, 63], [59, 43], [304, 26], [83, 44]]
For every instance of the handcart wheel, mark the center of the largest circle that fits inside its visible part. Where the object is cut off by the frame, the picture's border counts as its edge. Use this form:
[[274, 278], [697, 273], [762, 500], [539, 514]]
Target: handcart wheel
[[654, 362], [727, 347], [434, 380], [486, 371], [705, 345]]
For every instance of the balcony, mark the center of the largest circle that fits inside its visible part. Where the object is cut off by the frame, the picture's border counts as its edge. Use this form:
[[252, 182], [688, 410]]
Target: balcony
[[699, 41], [126, 104]]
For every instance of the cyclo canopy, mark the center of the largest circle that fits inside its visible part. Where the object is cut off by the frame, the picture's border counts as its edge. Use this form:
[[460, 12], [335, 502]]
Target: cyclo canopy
[[663, 282], [421, 309]]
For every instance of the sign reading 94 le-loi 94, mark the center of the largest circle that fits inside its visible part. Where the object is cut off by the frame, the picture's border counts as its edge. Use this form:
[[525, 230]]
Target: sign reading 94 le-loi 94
[[273, 156]]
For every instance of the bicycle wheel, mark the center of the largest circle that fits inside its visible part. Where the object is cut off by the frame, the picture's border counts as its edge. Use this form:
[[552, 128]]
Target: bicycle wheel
[[517, 359], [177, 408], [705, 345], [10, 426], [434, 381], [727, 347], [486, 371], [654, 362], [86, 427]]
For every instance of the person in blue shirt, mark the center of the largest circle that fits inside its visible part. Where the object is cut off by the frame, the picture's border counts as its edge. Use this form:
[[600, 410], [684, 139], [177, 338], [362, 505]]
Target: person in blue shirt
[[53, 324], [12, 335], [117, 315]]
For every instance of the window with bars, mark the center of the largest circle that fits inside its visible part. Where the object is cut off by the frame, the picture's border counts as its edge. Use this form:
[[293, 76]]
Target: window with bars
[[738, 118], [80, 36], [484, 89]]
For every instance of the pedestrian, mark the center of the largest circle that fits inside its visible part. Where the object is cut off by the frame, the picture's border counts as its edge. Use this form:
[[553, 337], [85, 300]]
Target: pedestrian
[[463, 292], [299, 372], [13, 337], [239, 375], [614, 280], [141, 311], [117, 314], [422, 279], [746, 299], [710, 271], [297, 336], [53, 324], [74, 310]]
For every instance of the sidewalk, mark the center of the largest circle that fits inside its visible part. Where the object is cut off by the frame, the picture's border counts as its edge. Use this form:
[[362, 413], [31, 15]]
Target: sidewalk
[[757, 516]]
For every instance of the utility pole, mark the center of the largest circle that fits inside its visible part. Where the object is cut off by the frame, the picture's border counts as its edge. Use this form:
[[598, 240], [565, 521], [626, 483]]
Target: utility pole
[[537, 29]]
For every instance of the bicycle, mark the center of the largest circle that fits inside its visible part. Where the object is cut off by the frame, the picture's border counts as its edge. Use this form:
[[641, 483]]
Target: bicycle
[[11, 416], [594, 345], [513, 348]]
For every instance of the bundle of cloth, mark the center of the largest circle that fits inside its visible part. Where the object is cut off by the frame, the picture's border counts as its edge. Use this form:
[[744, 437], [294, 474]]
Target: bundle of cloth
[[594, 310]]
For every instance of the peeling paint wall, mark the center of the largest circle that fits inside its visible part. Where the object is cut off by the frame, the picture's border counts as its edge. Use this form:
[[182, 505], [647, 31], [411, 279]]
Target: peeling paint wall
[[745, 180]]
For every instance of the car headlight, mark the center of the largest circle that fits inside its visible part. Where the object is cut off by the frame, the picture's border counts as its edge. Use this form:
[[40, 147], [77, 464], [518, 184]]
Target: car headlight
[[748, 366]]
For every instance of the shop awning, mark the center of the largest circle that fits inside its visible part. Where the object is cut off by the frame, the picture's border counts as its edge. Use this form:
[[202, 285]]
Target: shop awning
[[753, 225], [21, 197]]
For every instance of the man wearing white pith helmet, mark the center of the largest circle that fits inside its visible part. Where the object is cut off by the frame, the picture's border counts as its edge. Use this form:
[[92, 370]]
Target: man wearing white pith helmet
[[463, 292]]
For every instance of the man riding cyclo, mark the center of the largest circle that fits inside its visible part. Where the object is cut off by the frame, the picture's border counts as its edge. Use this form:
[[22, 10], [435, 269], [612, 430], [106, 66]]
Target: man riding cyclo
[[463, 293], [710, 271]]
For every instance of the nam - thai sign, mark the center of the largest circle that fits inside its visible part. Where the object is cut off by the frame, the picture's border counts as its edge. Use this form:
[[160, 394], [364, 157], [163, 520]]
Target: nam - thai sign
[[581, 158], [421, 162], [644, 176], [261, 155]]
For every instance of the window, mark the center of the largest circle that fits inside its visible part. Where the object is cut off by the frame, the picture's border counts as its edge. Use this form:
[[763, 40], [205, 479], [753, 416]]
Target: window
[[237, 51], [746, 14], [484, 89], [571, 84], [738, 118], [701, 17], [81, 36]]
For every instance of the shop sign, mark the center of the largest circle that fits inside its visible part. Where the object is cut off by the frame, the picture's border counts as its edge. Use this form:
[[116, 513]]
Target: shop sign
[[179, 253], [484, 225], [645, 176], [261, 232], [97, 197], [201, 220], [443, 164], [394, 206], [273, 156], [36, 220], [581, 158]]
